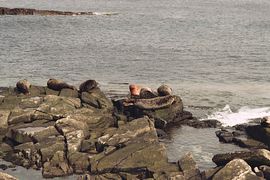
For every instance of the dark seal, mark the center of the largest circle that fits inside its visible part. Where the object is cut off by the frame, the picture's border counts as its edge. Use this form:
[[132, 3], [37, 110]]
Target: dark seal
[[23, 86], [58, 85], [88, 85]]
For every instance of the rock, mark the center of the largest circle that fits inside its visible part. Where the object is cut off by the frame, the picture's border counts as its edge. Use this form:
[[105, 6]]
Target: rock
[[258, 172], [4, 176], [249, 143], [23, 86], [49, 91], [236, 169], [266, 171], [224, 136], [265, 122], [88, 145], [259, 133], [80, 162], [164, 90], [37, 91], [27, 11], [57, 166], [189, 167], [124, 134], [209, 173], [69, 93], [4, 114], [32, 102], [211, 123], [97, 99], [253, 158]]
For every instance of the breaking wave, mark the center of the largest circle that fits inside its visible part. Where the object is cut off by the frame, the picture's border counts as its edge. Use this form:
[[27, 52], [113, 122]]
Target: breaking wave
[[229, 118]]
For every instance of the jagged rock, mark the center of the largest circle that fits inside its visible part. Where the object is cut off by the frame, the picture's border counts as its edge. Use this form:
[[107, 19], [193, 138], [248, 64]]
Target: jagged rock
[[49, 146], [236, 169], [120, 136], [211, 123], [266, 171], [188, 166], [80, 162], [57, 166], [59, 106], [4, 176], [97, 99], [253, 158]]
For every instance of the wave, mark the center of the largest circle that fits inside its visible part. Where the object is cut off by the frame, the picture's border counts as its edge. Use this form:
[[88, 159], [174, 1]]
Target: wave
[[244, 115]]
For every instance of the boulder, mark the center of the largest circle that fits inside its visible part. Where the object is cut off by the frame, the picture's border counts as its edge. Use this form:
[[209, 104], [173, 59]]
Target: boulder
[[260, 133], [225, 136], [253, 158], [57, 166], [80, 162], [236, 169], [4, 114], [209, 173], [67, 92], [188, 166]]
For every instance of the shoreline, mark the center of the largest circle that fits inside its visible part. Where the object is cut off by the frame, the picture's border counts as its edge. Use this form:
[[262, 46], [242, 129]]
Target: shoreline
[[66, 131]]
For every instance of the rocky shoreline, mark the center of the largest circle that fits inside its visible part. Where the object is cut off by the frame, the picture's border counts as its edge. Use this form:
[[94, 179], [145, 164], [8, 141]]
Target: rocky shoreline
[[28, 11], [63, 130]]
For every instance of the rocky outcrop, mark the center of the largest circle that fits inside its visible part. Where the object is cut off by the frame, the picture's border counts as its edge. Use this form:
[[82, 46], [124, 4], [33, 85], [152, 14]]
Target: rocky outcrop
[[253, 158], [4, 176], [236, 169], [27, 11]]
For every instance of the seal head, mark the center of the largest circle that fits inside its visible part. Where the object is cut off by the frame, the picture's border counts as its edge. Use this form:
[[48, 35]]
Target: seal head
[[23, 86], [164, 90]]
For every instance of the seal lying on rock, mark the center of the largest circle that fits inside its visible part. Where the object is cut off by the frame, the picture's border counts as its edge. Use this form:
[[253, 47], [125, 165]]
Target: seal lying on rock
[[147, 93], [58, 85], [164, 90], [23, 86], [134, 90], [88, 85], [153, 103]]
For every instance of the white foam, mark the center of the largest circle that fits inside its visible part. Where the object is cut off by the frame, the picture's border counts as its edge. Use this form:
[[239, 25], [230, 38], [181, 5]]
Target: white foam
[[229, 118]]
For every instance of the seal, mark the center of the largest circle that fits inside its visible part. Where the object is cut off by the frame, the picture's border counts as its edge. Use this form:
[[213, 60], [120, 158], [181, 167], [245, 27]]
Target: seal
[[164, 90], [58, 85], [147, 93], [134, 90], [151, 104], [88, 85], [23, 86]]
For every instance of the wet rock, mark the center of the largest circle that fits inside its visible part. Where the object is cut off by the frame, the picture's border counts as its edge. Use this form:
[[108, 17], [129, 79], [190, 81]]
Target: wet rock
[[212, 123], [265, 122], [69, 93], [259, 133], [188, 166], [253, 158], [57, 166], [266, 171], [97, 99], [236, 169], [249, 143], [4, 176], [225, 136]]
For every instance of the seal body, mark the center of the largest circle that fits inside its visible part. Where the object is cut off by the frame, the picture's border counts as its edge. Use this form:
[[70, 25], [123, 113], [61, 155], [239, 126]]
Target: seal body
[[23, 86], [164, 90], [134, 90], [88, 85], [58, 85], [147, 93]]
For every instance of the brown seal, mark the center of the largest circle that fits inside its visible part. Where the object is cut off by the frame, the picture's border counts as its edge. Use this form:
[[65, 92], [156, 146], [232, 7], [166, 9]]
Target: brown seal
[[134, 90], [23, 86], [88, 85], [58, 85], [164, 90]]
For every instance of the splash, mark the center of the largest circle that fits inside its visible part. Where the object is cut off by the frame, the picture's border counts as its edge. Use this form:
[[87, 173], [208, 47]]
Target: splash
[[229, 118]]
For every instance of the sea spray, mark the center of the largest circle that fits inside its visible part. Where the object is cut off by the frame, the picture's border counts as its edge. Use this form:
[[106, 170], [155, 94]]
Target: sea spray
[[229, 118]]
